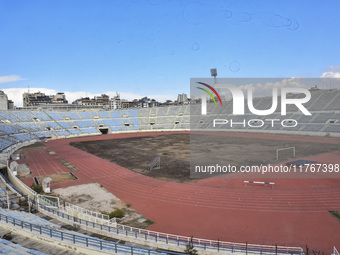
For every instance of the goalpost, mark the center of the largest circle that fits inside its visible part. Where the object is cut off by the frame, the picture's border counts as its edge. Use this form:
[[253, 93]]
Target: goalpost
[[155, 164], [283, 149]]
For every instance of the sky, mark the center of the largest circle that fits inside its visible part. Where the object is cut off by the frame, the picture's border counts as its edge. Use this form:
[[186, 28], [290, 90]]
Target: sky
[[152, 47]]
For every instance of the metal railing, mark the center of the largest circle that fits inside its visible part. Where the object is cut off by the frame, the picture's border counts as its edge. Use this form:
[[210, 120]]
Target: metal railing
[[143, 235], [78, 240], [44, 199], [88, 214], [10, 186]]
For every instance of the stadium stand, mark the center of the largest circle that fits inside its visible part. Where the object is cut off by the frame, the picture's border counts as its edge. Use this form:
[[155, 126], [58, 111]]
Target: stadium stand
[[41, 116], [4, 115], [8, 129], [54, 116], [7, 247], [55, 234], [103, 114], [85, 115], [63, 124], [73, 115], [85, 123]]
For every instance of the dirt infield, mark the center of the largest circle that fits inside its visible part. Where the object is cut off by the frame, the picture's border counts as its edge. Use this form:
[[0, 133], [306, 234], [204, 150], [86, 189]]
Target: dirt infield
[[295, 213], [176, 150], [136, 154]]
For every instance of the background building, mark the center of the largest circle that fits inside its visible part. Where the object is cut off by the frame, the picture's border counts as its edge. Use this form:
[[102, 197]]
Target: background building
[[182, 99], [39, 98], [115, 102], [3, 101], [102, 100]]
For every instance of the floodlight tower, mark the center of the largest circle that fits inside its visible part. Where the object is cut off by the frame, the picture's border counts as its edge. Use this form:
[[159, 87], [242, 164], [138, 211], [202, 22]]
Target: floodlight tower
[[213, 72]]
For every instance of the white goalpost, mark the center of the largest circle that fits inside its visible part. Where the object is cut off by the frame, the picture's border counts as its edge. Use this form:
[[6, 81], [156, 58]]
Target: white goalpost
[[155, 164], [283, 149]]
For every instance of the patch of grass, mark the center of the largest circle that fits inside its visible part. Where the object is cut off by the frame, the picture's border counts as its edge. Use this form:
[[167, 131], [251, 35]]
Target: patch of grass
[[149, 222], [336, 214], [166, 153], [117, 213], [128, 205], [38, 189], [190, 250], [205, 150]]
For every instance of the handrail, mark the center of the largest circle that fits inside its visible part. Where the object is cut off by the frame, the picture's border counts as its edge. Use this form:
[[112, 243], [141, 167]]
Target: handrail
[[175, 240], [88, 213], [47, 201], [10, 185], [78, 240]]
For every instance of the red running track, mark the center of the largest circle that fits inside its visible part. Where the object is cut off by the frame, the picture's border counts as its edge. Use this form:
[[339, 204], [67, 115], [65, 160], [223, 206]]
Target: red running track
[[295, 213]]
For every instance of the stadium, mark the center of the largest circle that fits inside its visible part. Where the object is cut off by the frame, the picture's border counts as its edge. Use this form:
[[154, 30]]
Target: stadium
[[142, 157]]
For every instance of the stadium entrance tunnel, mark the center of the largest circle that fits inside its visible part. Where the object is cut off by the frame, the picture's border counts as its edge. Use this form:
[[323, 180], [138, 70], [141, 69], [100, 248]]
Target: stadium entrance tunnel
[[104, 131]]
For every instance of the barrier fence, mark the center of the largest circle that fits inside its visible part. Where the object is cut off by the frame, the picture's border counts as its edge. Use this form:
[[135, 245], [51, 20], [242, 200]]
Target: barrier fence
[[88, 214], [78, 240], [175, 240]]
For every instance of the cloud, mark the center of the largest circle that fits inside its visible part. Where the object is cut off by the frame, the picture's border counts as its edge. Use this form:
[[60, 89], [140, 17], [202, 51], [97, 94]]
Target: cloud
[[10, 78], [333, 68], [330, 74], [15, 94]]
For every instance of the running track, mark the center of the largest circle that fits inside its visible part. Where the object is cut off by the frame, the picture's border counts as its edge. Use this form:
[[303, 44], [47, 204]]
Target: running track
[[295, 213]]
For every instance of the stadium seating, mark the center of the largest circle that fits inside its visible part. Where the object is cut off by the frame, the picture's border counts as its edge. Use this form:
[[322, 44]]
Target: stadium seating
[[4, 143], [73, 115], [133, 113], [17, 126], [4, 115], [85, 123], [50, 231], [53, 125], [7, 247], [55, 116], [8, 129], [21, 116], [63, 124], [103, 114], [335, 128], [42, 116], [89, 130], [85, 115], [115, 114]]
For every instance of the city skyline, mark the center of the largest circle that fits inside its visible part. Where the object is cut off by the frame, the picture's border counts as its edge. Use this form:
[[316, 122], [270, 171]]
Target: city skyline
[[153, 48]]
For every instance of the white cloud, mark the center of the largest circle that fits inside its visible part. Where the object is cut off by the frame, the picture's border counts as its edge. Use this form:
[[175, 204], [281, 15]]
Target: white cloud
[[15, 94], [10, 78], [330, 74], [333, 68]]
